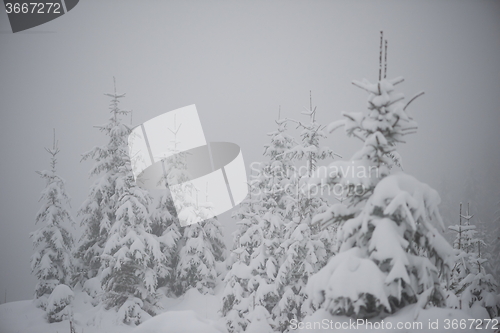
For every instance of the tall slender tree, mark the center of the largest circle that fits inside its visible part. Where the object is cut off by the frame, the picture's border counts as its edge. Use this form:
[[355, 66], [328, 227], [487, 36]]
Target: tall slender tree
[[192, 251], [52, 262], [305, 247], [256, 257], [98, 211], [118, 250], [166, 227], [496, 241], [473, 193], [464, 245], [235, 299], [495, 259]]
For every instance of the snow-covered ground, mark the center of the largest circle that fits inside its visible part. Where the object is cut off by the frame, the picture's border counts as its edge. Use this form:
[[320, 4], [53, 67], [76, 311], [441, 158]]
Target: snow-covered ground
[[192, 312]]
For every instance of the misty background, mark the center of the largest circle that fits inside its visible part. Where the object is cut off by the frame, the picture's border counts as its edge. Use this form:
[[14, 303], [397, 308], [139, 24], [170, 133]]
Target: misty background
[[238, 62]]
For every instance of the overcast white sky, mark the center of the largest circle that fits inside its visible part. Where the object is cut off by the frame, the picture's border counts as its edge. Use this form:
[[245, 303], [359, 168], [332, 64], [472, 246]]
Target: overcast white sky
[[238, 61]]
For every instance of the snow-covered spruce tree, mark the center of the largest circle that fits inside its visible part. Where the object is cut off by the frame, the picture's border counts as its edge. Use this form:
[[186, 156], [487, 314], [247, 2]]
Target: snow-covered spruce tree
[[492, 239], [250, 283], [198, 257], [59, 304], [201, 250], [98, 211], [307, 200], [478, 288], [131, 257], [496, 242], [304, 251], [472, 194], [391, 254], [235, 299], [52, 262], [309, 148], [197, 248], [117, 251], [259, 321], [464, 245], [495, 246], [165, 226], [469, 281]]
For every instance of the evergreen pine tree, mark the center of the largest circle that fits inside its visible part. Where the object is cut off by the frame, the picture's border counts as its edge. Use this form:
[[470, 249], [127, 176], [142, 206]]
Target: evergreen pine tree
[[166, 226], [203, 249], [391, 254], [496, 242], [469, 280], [259, 321], [309, 148], [98, 211], [235, 299], [117, 250], [251, 281], [464, 245], [59, 304], [52, 262], [495, 249], [478, 287], [304, 251], [131, 257], [472, 194], [195, 249]]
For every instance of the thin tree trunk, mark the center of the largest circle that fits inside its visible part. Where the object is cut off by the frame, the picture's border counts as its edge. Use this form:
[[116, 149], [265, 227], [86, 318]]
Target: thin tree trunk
[[460, 232]]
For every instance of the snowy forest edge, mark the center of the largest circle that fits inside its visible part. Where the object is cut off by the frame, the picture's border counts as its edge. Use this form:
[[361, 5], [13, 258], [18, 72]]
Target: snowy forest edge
[[296, 251]]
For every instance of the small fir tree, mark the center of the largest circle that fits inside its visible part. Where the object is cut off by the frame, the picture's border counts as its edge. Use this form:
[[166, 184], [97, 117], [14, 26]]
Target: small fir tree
[[59, 304], [470, 282], [166, 226]]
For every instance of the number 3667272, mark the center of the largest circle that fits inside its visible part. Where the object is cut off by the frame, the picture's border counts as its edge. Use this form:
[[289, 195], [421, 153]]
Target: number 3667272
[[33, 8]]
